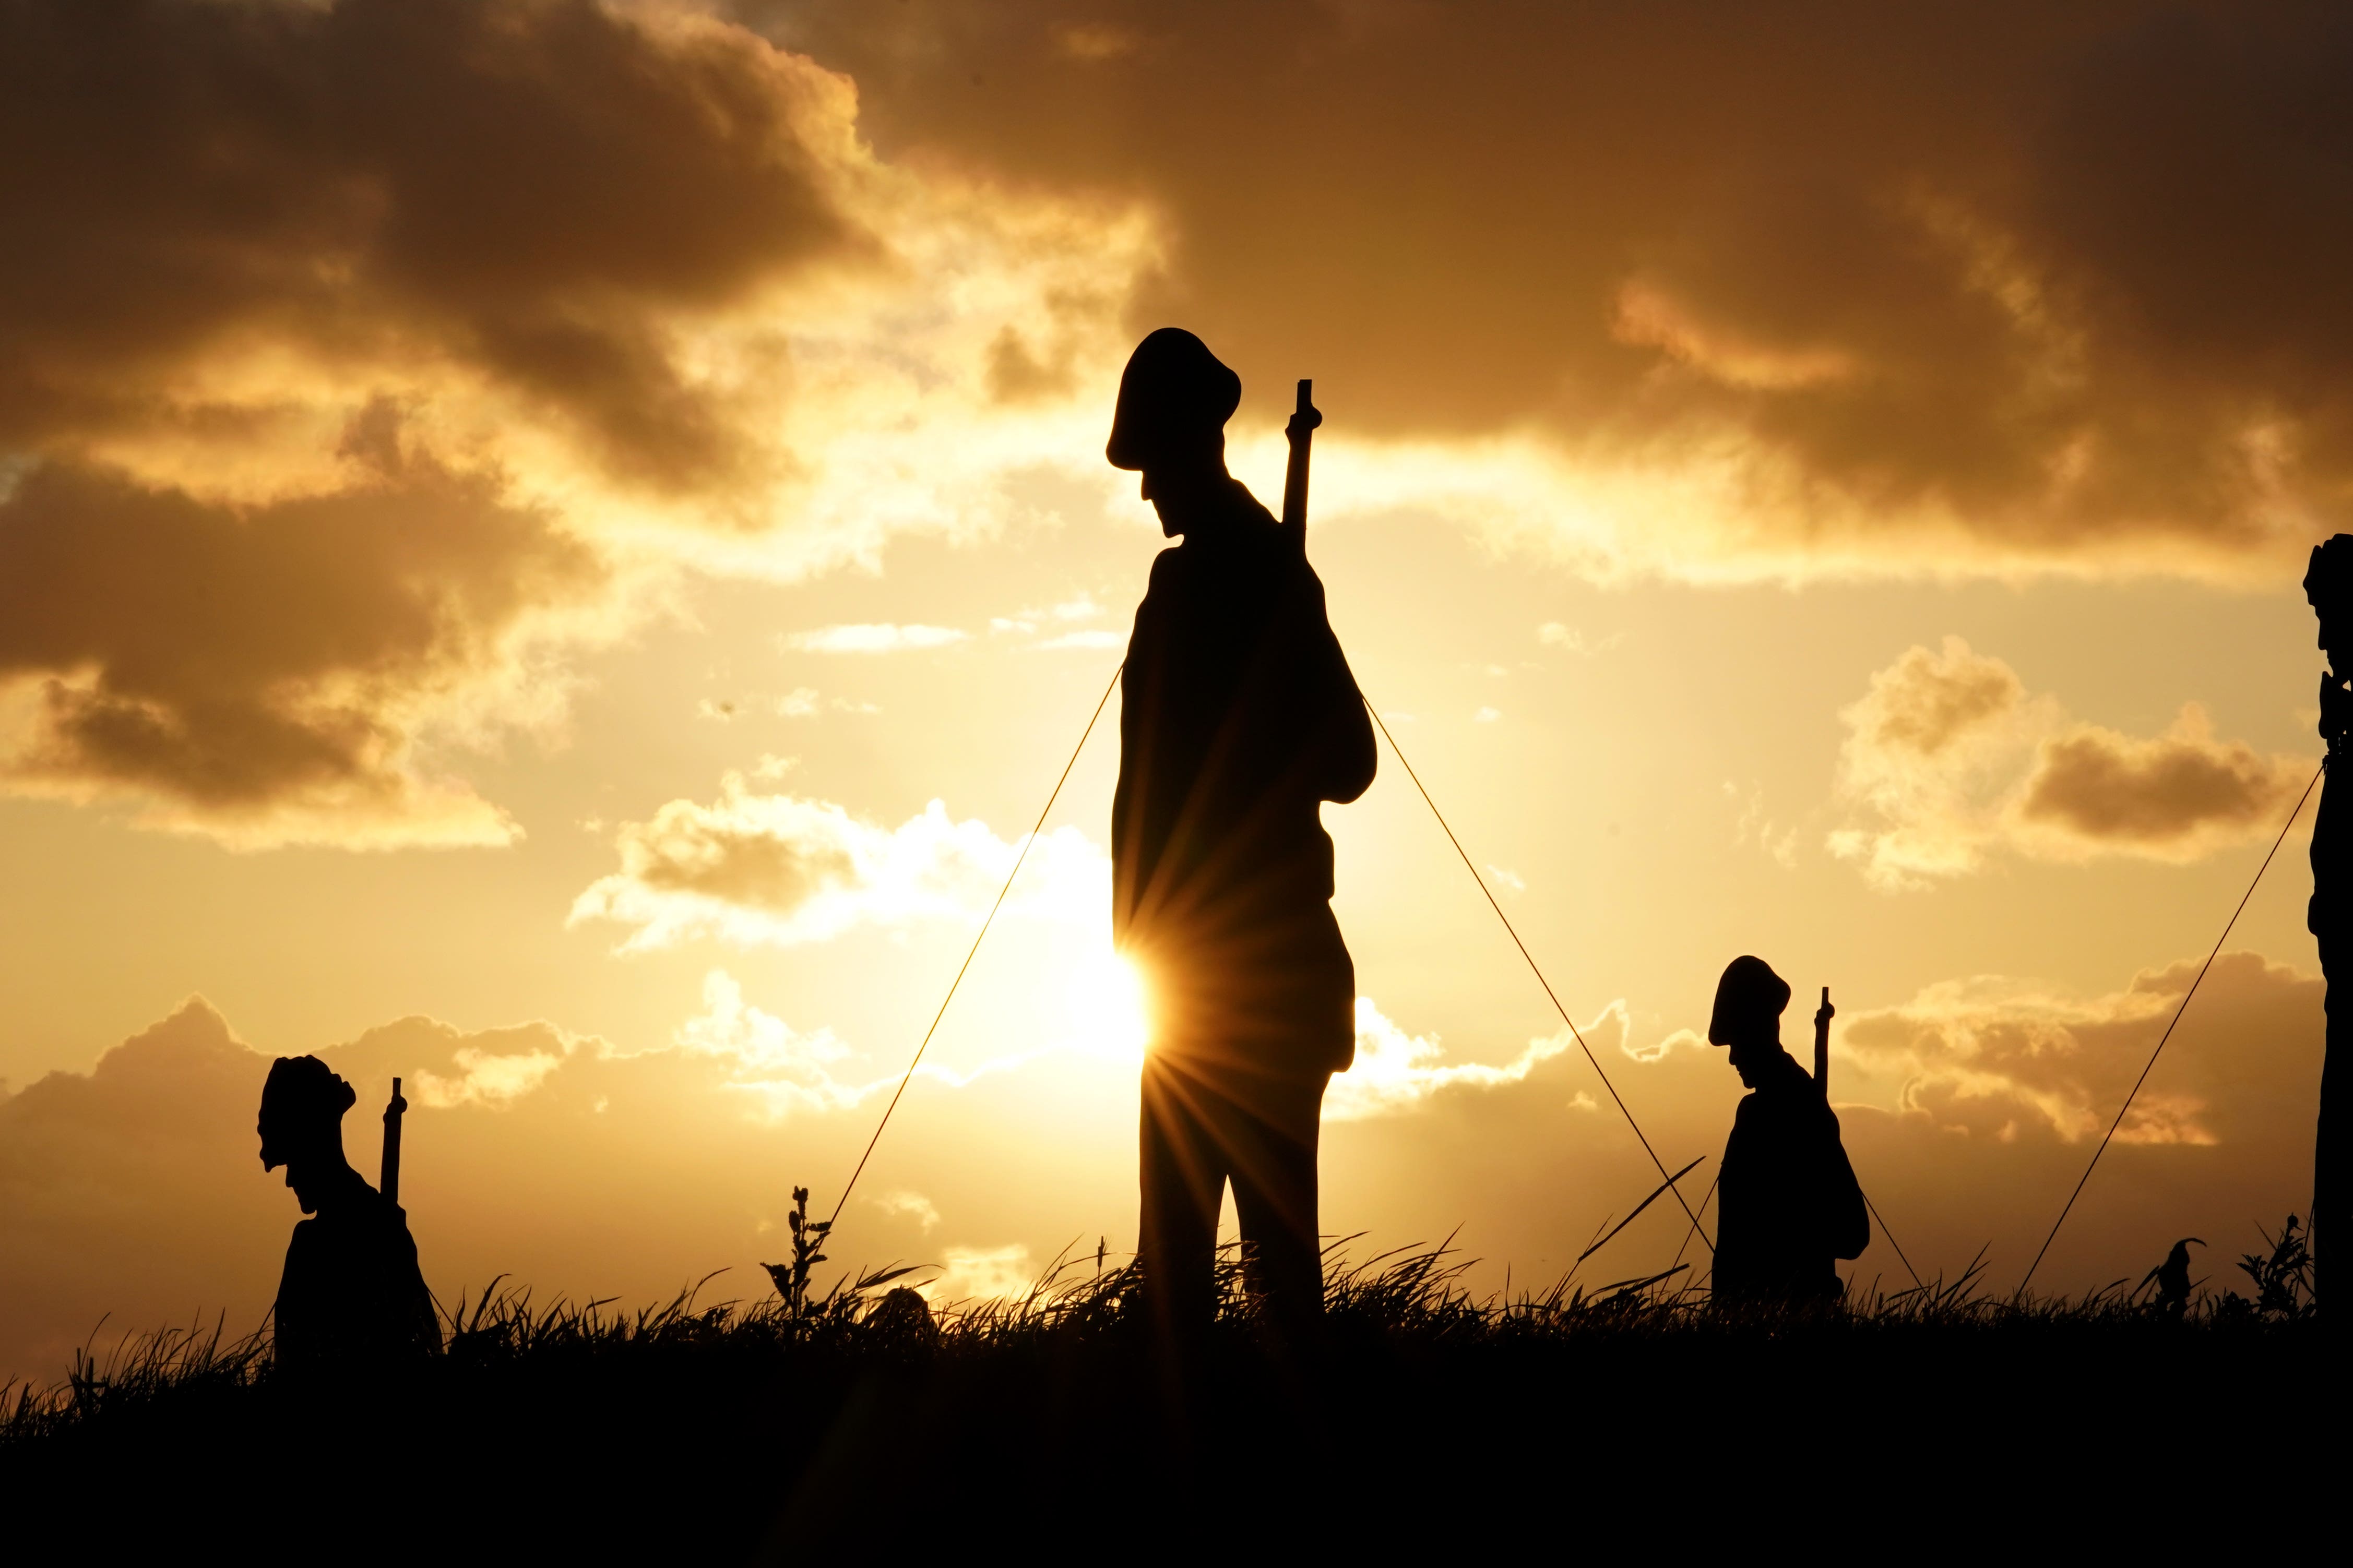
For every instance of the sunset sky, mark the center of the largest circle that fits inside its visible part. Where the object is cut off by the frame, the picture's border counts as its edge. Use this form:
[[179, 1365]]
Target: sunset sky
[[555, 549]]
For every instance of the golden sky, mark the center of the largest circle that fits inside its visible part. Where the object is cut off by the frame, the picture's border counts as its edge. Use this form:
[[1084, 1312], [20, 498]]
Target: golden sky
[[555, 549]]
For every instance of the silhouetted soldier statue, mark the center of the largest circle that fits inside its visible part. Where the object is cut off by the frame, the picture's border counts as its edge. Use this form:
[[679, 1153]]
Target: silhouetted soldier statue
[[2172, 1278], [1789, 1203], [2328, 585], [1238, 717], [352, 1295]]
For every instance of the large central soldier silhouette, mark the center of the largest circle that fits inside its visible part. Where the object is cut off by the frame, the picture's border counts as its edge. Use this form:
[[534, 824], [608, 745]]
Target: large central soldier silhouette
[[1239, 718]]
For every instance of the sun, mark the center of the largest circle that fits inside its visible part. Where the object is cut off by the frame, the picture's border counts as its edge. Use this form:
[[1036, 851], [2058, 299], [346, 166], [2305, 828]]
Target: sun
[[1106, 1006]]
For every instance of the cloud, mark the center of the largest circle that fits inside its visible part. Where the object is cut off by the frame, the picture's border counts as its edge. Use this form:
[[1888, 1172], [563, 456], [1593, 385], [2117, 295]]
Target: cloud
[[1082, 606], [1555, 633], [981, 1273], [266, 674], [914, 1206], [1957, 761], [2170, 796], [873, 638], [1096, 639], [492, 1069], [777, 1065], [531, 192], [1754, 827], [1859, 290], [394, 352], [800, 702], [1994, 1058], [777, 869], [1396, 1072]]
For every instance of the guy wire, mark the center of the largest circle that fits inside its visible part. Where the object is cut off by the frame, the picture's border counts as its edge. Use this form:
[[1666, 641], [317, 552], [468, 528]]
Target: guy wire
[[1706, 1198], [2186, 995], [908, 1077], [1890, 1237], [1575, 1033]]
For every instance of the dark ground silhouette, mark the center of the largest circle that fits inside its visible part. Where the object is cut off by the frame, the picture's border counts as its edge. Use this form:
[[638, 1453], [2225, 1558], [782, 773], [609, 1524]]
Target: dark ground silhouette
[[1238, 717], [1423, 1423]]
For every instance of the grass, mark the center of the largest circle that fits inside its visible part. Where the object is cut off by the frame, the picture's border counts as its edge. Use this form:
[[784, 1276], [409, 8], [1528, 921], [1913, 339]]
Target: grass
[[843, 1422]]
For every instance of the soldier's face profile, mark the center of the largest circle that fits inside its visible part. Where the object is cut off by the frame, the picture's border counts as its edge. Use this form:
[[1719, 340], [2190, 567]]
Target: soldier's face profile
[[1750, 1046], [308, 1163], [302, 1180], [1162, 496], [1173, 481]]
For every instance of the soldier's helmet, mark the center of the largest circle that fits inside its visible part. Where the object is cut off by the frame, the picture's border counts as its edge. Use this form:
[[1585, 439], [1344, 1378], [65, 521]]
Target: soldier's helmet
[[1174, 397], [302, 1102], [1750, 993], [2328, 581]]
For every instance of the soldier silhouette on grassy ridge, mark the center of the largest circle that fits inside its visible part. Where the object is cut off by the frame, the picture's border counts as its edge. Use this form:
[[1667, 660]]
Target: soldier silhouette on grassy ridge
[[1240, 716], [352, 1296], [2329, 585], [1789, 1203]]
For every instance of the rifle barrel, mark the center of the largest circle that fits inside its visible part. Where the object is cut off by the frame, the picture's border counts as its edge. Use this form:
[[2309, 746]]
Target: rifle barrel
[[388, 1181], [1301, 433], [1822, 1047]]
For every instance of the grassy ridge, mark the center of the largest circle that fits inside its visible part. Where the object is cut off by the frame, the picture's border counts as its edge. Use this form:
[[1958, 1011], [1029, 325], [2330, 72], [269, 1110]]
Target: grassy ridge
[[772, 1430]]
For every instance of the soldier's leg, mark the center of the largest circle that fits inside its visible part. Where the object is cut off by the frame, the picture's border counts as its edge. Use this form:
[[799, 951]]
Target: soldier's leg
[[1182, 1177], [2328, 1222], [1275, 1198]]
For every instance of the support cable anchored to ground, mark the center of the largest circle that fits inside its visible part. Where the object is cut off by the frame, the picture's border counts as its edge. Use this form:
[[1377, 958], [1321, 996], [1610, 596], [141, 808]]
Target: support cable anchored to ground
[[908, 1077], [1891, 1238], [2211, 956], [1575, 1033]]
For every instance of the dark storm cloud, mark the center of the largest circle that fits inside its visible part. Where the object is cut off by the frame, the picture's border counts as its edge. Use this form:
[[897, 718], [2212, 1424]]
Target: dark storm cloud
[[522, 186], [254, 669], [2066, 274], [475, 237], [2160, 793]]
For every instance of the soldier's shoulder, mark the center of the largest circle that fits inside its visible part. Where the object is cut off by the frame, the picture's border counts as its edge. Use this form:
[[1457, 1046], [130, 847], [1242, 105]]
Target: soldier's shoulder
[[1239, 496], [1164, 589], [391, 1217]]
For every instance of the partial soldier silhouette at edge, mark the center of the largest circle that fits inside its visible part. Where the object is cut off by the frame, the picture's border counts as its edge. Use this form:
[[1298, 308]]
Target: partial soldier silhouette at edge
[[352, 1296], [2328, 586], [1789, 1204], [1239, 718]]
